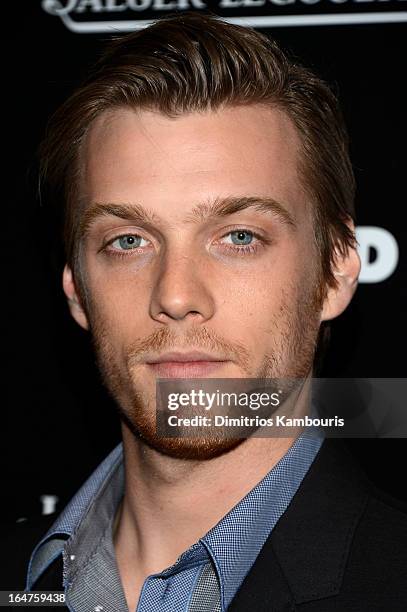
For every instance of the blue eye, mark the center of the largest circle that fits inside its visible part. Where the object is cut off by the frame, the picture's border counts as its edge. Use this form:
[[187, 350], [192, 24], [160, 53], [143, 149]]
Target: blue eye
[[241, 237], [126, 243]]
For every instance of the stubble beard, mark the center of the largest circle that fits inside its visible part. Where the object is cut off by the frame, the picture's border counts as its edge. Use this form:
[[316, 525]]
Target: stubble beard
[[291, 359]]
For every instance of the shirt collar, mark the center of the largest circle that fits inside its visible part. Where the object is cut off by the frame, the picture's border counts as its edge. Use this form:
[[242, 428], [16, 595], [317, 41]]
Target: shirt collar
[[72, 516]]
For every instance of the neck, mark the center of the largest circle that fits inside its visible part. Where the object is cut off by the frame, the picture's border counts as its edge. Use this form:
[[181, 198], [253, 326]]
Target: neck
[[169, 503]]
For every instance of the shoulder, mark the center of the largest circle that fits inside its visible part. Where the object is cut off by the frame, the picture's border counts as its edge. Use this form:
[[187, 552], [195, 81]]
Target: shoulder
[[342, 540], [18, 540], [375, 570], [379, 520], [381, 535]]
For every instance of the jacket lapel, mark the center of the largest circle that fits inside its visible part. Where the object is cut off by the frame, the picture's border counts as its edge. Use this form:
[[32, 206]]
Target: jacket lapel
[[305, 556]]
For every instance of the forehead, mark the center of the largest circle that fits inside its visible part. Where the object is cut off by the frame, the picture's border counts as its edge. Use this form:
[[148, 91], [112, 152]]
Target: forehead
[[171, 164]]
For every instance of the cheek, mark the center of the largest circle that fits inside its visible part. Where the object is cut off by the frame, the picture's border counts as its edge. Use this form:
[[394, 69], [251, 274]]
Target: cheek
[[118, 309], [271, 308], [115, 286], [257, 305]]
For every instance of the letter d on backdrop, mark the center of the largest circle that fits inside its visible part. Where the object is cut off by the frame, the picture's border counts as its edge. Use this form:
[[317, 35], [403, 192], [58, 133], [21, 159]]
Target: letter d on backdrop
[[386, 253]]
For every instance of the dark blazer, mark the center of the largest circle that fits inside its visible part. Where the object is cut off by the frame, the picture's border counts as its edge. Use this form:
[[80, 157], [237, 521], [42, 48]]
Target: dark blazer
[[341, 545]]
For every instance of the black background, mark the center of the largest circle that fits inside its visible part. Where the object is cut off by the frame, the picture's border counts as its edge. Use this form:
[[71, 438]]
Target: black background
[[58, 421]]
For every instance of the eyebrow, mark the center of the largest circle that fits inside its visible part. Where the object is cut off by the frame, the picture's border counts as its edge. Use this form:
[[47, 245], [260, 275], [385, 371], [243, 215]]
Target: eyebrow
[[131, 212], [223, 207], [201, 213]]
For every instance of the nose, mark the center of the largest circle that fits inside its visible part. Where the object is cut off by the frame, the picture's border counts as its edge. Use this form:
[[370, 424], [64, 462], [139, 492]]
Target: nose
[[182, 290]]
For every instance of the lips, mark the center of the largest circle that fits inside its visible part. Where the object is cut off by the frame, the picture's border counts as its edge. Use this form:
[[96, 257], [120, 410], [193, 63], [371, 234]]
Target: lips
[[192, 364]]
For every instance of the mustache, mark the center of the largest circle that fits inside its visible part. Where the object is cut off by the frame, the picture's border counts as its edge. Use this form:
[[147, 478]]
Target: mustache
[[198, 338]]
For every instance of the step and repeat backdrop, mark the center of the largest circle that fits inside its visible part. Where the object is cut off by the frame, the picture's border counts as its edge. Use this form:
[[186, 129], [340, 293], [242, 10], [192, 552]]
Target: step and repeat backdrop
[[58, 422]]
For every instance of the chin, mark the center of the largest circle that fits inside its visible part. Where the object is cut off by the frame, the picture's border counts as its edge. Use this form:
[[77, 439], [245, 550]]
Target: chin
[[194, 449]]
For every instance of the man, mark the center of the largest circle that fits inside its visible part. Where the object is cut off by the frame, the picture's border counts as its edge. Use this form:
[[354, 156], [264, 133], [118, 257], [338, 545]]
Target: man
[[209, 233]]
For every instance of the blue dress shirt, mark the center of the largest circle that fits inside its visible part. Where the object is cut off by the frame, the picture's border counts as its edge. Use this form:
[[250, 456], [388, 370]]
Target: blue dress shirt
[[205, 578]]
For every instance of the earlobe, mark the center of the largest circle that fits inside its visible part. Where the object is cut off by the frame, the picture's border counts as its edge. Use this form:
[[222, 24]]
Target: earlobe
[[72, 296], [346, 272]]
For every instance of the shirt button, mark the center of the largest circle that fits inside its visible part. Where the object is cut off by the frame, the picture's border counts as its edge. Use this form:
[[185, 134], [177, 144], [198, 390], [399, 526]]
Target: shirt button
[[72, 557]]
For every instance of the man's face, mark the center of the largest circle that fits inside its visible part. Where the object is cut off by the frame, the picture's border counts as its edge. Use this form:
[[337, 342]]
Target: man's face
[[179, 262]]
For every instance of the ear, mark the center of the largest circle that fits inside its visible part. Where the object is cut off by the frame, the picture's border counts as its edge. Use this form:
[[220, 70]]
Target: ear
[[346, 272], [74, 301]]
